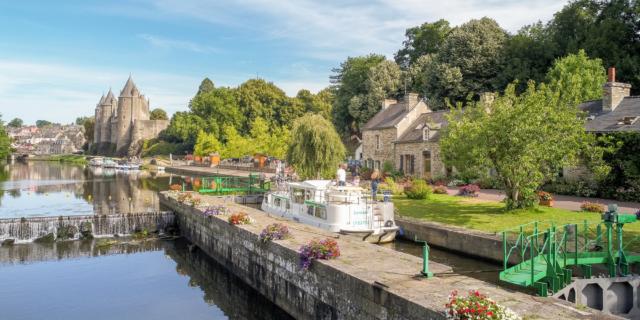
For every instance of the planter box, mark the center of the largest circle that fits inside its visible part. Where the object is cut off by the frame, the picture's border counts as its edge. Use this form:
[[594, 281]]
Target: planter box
[[546, 203]]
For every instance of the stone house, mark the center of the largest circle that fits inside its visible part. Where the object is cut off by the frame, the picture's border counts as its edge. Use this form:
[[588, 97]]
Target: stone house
[[405, 133], [617, 111]]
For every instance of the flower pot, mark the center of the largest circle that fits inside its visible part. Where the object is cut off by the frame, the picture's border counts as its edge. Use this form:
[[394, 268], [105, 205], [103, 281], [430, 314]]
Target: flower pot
[[546, 203]]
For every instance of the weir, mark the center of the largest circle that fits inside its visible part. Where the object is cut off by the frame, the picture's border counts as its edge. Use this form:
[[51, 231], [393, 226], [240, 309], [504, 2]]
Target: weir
[[75, 227]]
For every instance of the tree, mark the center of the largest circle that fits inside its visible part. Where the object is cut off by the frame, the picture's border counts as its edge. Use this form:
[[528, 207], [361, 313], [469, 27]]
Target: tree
[[80, 120], [421, 40], [319, 103], [315, 149], [89, 125], [259, 98], [435, 81], [183, 128], [577, 78], [43, 123], [526, 138], [349, 80], [15, 123], [158, 114], [206, 144], [5, 141], [206, 86], [236, 145], [268, 141]]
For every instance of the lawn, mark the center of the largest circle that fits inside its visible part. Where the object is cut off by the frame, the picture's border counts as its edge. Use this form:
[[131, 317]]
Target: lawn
[[489, 216]]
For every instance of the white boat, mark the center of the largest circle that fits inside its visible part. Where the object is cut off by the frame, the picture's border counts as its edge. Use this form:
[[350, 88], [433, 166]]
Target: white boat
[[109, 163], [346, 210], [96, 162]]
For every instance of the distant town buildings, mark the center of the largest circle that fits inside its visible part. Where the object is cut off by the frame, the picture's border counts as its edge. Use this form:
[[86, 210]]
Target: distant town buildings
[[123, 123], [52, 139]]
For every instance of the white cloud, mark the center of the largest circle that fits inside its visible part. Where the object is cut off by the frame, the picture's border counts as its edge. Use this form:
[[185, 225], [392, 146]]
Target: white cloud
[[167, 43]]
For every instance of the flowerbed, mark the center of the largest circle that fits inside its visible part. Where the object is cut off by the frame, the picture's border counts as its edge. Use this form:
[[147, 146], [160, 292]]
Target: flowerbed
[[544, 196], [324, 249], [440, 190], [274, 231], [476, 306], [240, 218], [469, 190], [216, 210], [592, 207]]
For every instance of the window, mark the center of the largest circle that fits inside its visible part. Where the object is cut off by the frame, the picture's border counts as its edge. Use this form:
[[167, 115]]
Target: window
[[298, 196], [377, 142], [277, 202], [425, 133]]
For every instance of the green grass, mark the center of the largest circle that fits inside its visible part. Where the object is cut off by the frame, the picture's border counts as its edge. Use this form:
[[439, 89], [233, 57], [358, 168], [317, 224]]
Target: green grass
[[489, 216]]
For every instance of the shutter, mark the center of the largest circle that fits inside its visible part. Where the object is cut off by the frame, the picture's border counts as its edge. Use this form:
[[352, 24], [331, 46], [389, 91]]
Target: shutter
[[401, 162]]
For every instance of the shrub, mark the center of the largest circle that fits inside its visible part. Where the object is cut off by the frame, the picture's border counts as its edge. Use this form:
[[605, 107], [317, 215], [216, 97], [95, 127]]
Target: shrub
[[324, 249], [440, 180], [239, 218], [456, 183], [387, 167], [419, 190], [489, 183], [274, 231], [592, 207], [440, 190], [544, 196], [392, 186], [469, 190], [476, 306]]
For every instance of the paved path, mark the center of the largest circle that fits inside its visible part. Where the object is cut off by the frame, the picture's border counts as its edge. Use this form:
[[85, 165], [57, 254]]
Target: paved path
[[564, 202], [196, 170]]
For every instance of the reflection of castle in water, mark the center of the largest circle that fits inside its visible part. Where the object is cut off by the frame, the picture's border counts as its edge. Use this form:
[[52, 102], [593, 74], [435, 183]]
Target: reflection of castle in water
[[109, 192]]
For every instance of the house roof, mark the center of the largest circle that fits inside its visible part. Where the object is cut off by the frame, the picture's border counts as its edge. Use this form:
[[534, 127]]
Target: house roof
[[414, 133], [388, 117], [612, 121]]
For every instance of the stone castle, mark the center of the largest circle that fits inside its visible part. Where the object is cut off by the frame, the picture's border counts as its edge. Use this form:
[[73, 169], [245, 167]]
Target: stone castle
[[123, 123]]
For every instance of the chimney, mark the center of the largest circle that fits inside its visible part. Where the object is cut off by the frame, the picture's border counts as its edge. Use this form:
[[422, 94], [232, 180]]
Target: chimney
[[387, 102], [613, 92], [410, 100]]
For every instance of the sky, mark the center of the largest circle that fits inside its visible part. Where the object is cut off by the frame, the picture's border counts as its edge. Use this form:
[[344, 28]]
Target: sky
[[58, 57]]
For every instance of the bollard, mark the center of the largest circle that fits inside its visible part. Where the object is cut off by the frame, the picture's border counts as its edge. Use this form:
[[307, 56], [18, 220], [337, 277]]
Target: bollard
[[425, 259]]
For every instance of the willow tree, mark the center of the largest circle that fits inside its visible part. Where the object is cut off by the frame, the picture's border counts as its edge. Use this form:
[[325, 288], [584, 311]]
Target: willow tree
[[316, 149], [526, 138]]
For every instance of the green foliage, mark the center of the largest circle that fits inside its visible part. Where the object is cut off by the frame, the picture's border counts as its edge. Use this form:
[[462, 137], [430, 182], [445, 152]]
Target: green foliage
[[183, 128], [421, 40], [315, 149], [526, 138], [15, 123], [89, 125], [419, 190], [43, 123], [350, 80], [81, 120], [158, 114], [218, 108], [392, 186], [577, 78], [592, 207], [5, 141], [206, 86], [156, 147], [319, 103], [623, 154], [206, 144], [236, 145]]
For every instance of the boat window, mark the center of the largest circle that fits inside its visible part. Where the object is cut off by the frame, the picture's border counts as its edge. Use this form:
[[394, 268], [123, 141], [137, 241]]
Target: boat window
[[288, 204], [298, 196], [308, 195], [311, 210], [278, 202], [321, 212]]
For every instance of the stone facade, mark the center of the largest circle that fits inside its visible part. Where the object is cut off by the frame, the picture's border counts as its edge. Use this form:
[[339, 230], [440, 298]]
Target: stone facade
[[405, 133], [124, 122]]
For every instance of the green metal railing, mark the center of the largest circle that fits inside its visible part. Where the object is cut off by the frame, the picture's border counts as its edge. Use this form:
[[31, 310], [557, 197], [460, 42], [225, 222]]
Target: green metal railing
[[224, 185]]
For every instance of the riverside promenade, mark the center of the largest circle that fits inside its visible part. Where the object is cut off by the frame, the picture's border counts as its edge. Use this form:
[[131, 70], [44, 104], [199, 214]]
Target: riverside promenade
[[365, 282], [210, 171]]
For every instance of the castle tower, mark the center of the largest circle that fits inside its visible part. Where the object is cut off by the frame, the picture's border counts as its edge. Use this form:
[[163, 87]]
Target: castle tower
[[98, 117], [132, 106], [108, 107]]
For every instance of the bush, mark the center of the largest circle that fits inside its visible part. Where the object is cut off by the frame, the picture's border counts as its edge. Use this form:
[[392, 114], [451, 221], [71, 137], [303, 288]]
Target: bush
[[456, 183], [579, 188], [592, 207], [469, 190], [392, 186], [440, 180], [476, 306], [324, 249], [387, 167], [156, 147], [419, 190], [489, 183], [544, 196], [440, 190]]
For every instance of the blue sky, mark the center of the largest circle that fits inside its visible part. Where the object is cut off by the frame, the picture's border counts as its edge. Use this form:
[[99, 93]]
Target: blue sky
[[58, 57]]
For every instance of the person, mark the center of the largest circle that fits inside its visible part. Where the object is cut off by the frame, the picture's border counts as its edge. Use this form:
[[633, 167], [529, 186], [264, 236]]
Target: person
[[375, 180], [341, 175]]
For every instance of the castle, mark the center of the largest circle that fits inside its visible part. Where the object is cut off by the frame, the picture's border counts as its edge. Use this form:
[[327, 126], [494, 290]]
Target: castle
[[123, 123]]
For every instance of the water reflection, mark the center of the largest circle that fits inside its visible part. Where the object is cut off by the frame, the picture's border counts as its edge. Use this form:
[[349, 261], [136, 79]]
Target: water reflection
[[51, 189], [153, 280]]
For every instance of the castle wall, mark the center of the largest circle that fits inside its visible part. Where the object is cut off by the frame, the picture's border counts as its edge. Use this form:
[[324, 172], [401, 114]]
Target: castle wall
[[148, 129]]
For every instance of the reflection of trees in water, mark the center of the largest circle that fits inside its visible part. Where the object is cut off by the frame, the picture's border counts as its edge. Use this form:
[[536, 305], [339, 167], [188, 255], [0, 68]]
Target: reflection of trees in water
[[221, 288]]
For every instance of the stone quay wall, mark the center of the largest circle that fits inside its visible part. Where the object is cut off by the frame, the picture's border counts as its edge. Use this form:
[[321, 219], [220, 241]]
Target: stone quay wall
[[365, 282]]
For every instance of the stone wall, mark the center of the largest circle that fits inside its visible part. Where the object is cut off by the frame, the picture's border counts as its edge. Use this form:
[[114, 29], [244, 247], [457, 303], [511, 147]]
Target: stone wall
[[148, 129], [416, 149], [383, 152]]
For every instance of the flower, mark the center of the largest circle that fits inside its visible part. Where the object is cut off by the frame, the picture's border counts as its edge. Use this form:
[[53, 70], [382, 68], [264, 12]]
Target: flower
[[324, 249], [240, 218], [275, 231], [476, 306]]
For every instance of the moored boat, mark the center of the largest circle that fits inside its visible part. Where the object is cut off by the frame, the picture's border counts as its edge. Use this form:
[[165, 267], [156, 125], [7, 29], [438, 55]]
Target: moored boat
[[346, 210]]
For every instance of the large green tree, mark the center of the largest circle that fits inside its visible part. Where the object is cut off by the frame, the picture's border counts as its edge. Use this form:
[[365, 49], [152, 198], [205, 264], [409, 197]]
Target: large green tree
[[158, 114], [315, 149], [206, 144], [89, 125], [426, 38], [218, 108], [577, 78], [526, 138], [259, 98], [5, 141], [15, 123], [43, 123], [183, 128]]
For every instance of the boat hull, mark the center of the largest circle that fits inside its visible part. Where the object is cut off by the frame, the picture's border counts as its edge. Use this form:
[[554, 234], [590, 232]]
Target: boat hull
[[384, 236]]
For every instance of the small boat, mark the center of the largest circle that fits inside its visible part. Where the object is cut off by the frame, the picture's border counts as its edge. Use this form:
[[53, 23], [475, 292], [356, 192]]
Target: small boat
[[109, 163], [96, 162], [346, 210]]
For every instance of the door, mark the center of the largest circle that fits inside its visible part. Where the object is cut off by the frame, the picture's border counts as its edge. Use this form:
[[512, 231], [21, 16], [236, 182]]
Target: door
[[426, 168]]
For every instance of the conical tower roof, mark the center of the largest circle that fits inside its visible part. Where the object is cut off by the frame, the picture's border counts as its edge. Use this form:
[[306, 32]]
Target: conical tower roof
[[110, 97], [101, 100], [129, 89]]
